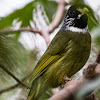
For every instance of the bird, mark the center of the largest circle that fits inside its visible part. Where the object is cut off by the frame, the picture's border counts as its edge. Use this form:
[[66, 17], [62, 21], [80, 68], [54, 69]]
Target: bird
[[67, 53]]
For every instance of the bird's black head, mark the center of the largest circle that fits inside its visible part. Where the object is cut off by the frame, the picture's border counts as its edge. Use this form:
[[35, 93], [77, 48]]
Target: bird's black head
[[76, 17]]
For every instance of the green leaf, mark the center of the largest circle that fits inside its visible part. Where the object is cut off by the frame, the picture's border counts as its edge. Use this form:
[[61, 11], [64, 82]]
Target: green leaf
[[50, 8], [25, 15], [92, 21]]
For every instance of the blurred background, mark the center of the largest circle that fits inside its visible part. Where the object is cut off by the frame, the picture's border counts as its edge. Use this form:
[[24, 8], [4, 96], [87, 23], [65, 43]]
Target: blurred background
[[20, 48]]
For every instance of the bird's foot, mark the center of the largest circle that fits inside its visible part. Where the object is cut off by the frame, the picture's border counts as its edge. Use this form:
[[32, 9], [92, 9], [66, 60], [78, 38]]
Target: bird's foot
[[66, 79], [61, 86]]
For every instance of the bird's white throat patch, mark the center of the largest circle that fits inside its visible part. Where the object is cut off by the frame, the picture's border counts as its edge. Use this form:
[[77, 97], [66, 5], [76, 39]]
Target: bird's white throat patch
[[79, 30]]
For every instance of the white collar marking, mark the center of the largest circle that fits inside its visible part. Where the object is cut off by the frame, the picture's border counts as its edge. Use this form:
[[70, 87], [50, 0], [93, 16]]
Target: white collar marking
[[79, 30]]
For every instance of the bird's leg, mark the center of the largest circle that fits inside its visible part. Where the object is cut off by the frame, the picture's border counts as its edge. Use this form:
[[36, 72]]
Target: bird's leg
[[65, 80], [61, 86]]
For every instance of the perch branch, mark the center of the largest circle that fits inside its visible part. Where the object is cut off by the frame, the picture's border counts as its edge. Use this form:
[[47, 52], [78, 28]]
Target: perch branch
[[44, 31], [90, 73], [23, 29]]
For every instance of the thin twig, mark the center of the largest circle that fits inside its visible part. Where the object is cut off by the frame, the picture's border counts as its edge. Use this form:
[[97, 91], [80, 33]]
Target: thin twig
[[23, 29], [98, 58], [12, 75], [58, 16], [15, 85]]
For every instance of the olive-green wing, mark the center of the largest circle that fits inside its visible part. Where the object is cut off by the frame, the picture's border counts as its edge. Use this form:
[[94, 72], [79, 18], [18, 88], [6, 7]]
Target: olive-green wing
[[52, 54]]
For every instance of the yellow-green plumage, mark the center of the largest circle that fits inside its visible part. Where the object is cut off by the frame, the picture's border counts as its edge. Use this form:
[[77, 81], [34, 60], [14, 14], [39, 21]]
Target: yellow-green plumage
[[67, 54]]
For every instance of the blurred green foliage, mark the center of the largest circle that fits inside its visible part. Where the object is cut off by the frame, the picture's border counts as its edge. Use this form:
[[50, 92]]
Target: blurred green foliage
[[97, 92], [50, 8], [24, 15], [96, 35], [88, 88], [12, 53], [13, 57]]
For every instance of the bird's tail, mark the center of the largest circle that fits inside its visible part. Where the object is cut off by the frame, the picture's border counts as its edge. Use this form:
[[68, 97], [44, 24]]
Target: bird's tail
[[37, 89]]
